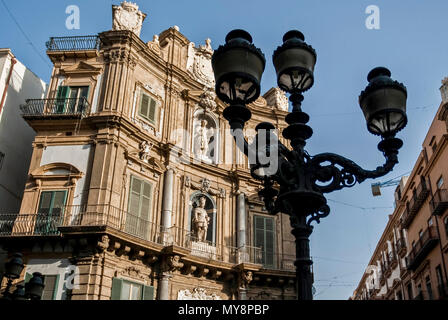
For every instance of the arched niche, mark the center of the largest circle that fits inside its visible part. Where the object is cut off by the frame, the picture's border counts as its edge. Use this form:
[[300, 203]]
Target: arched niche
[[210, 207], [205, 137]]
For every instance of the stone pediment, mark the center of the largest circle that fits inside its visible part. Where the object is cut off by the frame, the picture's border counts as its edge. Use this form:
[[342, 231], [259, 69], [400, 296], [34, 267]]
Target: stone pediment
[[81, 68]]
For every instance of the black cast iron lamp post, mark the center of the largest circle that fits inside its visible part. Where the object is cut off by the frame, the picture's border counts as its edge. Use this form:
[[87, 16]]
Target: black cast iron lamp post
[[32, 290], [298, 185]]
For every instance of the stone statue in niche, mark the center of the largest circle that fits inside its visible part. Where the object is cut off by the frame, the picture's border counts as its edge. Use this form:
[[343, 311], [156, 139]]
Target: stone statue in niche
[[201, 220], [204, 139]]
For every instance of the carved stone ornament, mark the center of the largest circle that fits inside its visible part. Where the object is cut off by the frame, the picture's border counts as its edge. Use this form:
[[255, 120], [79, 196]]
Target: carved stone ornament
[[154, 45], [204, 186], [197, 294], [104, 243], [245, 279], [207, 100], [172, 264], [132, 272], [127, 17], [277, 98], [145, 149], [199, 63]]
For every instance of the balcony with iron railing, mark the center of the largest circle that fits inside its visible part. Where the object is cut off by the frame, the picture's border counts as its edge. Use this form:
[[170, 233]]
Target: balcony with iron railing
[[419, 195], [401, 247], [439, 202], [393, 260], [422, 247], [73, 43], [55, 108], [94, 218]]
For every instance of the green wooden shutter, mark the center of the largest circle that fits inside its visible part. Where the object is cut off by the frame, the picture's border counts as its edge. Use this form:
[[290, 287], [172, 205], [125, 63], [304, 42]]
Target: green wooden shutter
[[144, 105], [116, 289], [148, 293], [152, 111], [61, 97], [269, 240]]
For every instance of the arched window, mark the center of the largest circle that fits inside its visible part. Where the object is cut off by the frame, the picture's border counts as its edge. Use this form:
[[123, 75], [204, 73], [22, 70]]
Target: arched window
[[202, 215], [205, 137]]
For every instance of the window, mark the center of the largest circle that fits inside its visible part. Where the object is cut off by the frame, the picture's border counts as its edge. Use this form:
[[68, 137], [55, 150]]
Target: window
[[50, 211], [433, 143], [264, 238], [429, 288], [2, 158], [128, 290], [148, 108], [430, 222], [139, 207], [420, 233], [51, 285], [71, 99], [440, 183]]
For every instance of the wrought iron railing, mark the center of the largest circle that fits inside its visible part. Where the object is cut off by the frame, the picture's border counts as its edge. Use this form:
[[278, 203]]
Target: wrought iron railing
[[401, 247], [424, 244], [30, 224], [392, 257], [439, 202], [56, 107], [75, 43], [84, 217]]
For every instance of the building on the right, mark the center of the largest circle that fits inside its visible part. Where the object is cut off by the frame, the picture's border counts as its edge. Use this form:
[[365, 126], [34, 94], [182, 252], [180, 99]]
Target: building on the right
[[411, 258]]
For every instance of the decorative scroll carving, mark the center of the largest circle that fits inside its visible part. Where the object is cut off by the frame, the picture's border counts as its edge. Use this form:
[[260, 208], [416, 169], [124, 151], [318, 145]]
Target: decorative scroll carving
[[204, 186], [197, 294], [277, 98], [127, 17], [199, 63]]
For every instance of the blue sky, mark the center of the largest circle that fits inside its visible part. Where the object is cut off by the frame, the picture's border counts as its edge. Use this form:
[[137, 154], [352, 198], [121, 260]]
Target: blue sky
[[411, 42]]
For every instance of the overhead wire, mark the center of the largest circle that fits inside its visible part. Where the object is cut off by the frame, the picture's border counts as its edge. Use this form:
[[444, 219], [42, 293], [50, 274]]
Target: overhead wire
[[25, 35]]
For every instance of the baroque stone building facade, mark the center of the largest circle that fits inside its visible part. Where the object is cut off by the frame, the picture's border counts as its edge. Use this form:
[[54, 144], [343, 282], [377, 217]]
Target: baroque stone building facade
[[136, 189]]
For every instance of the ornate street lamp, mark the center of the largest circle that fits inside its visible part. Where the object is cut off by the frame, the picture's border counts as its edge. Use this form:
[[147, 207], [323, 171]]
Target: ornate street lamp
[[32, 290], [298, 185]]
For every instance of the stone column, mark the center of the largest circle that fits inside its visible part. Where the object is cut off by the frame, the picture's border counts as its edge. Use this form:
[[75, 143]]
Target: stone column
[[164, 287], [167, 203], [241, 219], [241, 226]]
